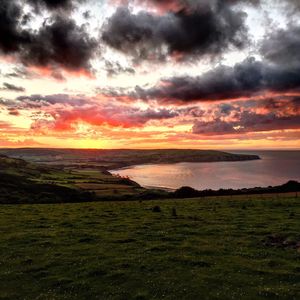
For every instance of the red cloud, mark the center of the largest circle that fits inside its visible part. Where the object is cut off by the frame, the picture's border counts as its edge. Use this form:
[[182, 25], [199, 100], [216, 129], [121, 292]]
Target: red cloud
[[65, 119]]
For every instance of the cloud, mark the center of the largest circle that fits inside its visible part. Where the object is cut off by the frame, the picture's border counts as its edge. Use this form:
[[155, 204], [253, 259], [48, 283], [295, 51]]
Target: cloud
[[210, 29], [46, 103], [248, 122], [12, 87], [60, 42], [19, 143], [5, 125], [19, 72], [177, 5], [64, 99], [114, 69], [282, 47], [86, 14], [115, 116], [245, 79], [13, 112], [55, 4], [282, 113], [62, 112], [278, 71], [11, 34], [290, 7]]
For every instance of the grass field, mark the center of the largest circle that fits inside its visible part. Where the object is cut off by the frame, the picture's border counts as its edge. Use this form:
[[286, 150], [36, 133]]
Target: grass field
[[223, 248]]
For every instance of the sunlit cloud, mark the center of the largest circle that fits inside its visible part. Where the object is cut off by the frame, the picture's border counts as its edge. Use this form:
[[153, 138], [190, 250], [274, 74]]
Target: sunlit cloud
[[141, 74]]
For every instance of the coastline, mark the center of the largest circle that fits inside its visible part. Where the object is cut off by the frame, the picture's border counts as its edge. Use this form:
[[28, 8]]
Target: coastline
[[129, 166], [272, 169]]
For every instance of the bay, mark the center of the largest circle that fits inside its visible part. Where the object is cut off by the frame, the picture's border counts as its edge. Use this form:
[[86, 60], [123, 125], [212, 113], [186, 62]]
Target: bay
[[274, 168]]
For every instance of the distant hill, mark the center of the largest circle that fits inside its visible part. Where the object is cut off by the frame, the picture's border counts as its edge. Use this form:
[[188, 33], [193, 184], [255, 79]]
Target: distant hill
[[111, 159]]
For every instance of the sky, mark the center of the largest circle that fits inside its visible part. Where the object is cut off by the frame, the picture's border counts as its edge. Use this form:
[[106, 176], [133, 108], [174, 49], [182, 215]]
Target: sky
[[206, 74]]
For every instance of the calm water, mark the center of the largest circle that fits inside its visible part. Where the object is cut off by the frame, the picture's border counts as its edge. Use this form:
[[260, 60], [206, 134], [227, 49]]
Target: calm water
[[274, 168]]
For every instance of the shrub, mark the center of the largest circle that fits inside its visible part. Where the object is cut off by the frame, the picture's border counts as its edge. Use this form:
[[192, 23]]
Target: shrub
[[186, 192], [156, 209]]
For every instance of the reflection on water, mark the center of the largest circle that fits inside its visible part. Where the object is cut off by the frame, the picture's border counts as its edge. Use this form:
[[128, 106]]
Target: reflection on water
[[274, 168]]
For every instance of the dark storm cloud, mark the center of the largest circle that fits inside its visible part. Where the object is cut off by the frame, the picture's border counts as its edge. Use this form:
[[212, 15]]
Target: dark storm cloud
[[243, 80], [12, 87], [207, 30], [283, 46], [59, 42], [54, 4], [279, 71], [11, 35], [221, 83]]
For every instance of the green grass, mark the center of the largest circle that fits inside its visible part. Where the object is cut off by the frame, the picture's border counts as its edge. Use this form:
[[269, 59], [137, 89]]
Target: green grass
[[214, 249]]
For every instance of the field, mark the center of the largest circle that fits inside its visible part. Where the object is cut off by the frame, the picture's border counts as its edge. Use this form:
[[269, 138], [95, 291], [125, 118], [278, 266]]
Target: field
[[214, 248], [25, 182]]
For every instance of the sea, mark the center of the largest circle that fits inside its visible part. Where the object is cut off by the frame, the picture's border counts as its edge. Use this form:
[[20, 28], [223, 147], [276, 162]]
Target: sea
[[274, 168]]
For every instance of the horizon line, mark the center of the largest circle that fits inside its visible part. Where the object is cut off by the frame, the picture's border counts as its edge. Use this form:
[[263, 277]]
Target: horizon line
[[147, 148]]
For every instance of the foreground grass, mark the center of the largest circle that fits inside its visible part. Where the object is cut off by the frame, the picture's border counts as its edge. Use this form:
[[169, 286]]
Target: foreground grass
[[213, 249]]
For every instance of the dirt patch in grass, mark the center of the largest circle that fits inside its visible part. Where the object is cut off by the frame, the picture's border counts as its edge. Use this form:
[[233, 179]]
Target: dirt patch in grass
[[281, 241]]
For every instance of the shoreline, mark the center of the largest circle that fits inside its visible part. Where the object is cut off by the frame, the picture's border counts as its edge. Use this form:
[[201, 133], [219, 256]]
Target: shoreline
[[181, 162]]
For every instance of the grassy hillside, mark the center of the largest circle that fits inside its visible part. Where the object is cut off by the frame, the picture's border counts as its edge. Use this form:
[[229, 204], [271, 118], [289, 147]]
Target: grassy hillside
[[239, 248], [110, 159], [24, 182]]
